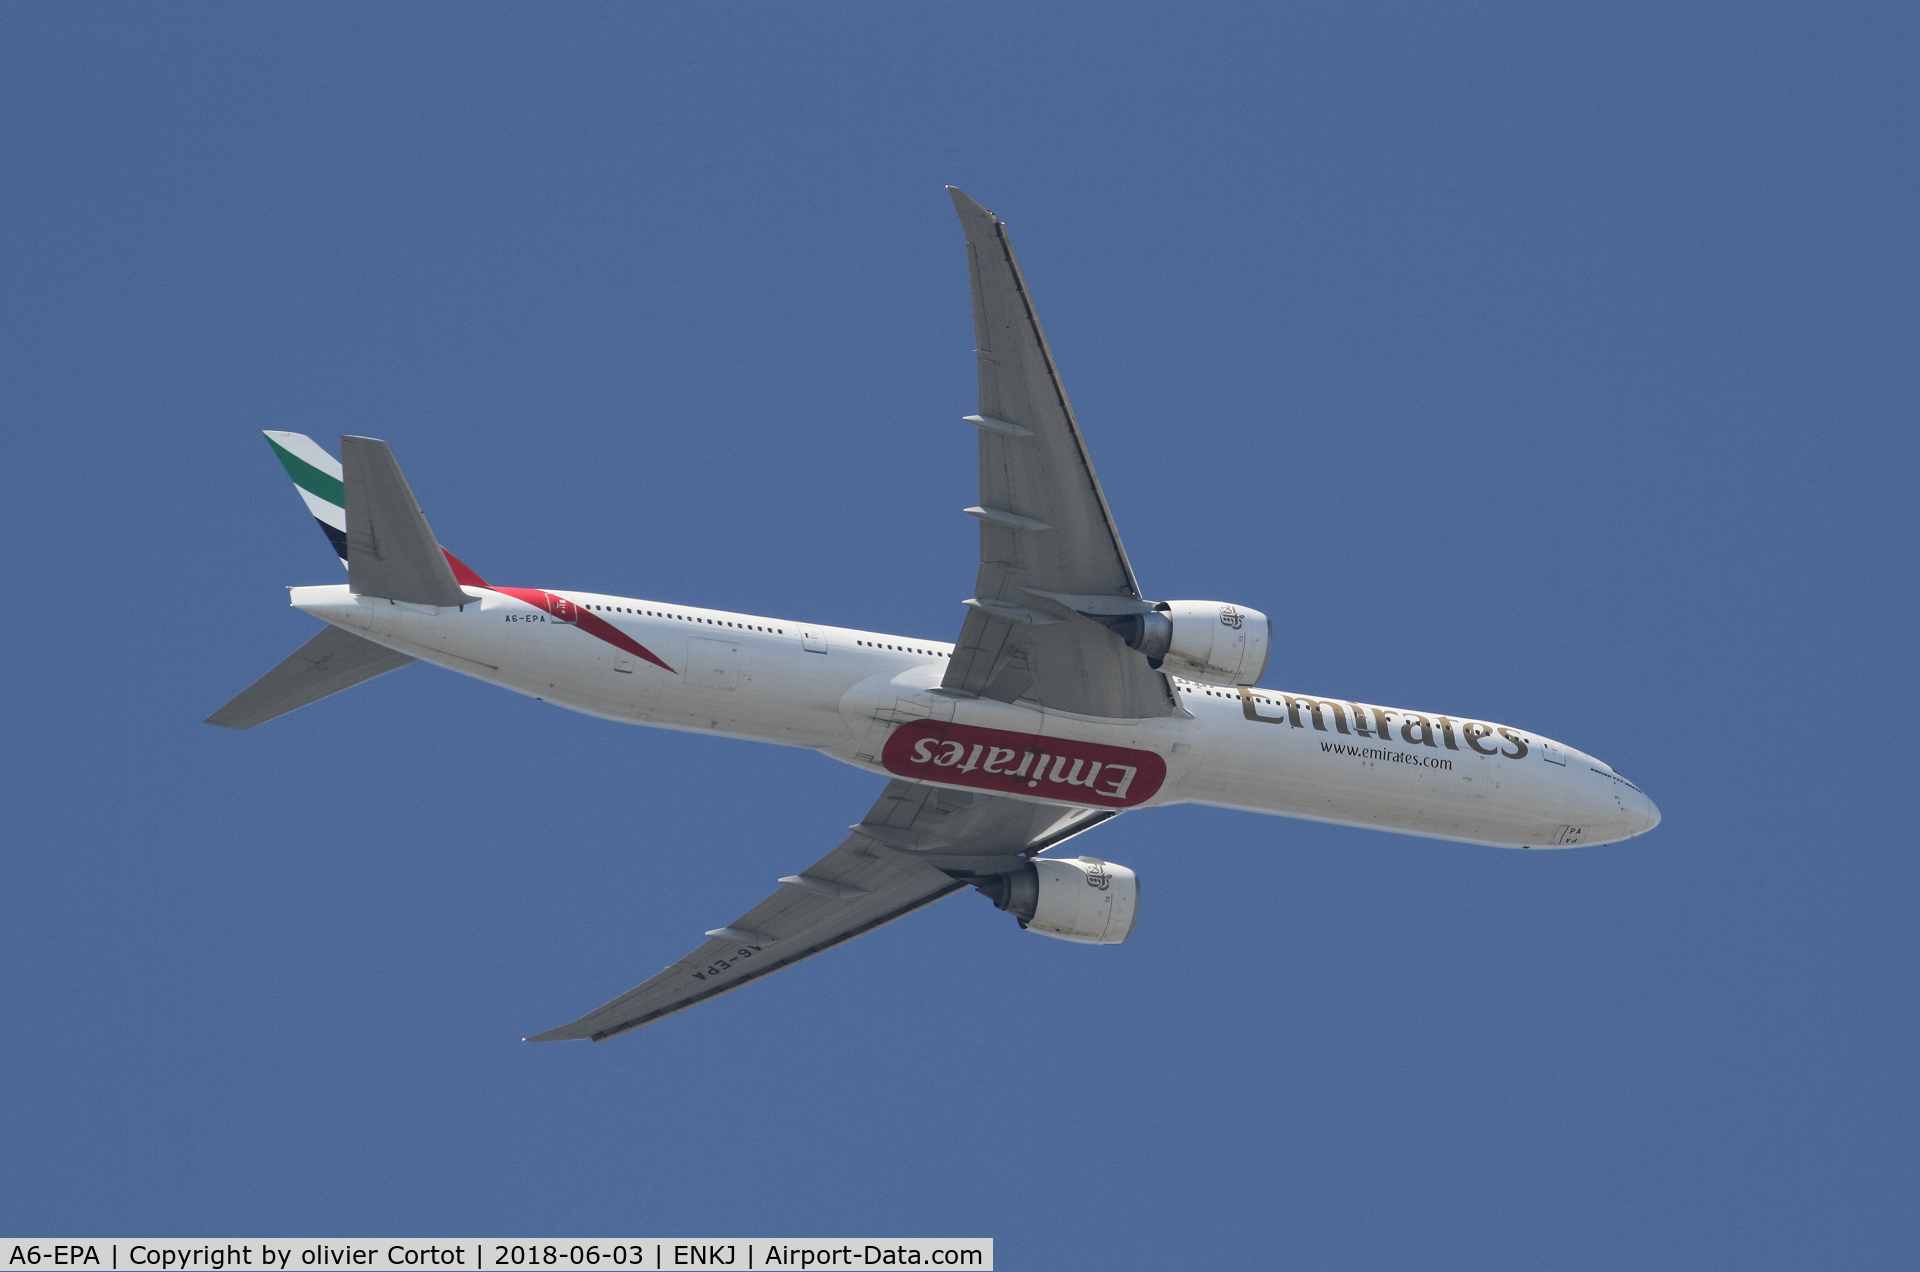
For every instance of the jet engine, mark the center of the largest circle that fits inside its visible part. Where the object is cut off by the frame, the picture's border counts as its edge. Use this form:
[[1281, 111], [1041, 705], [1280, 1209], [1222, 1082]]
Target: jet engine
[[1208, 641], [1080, 899]]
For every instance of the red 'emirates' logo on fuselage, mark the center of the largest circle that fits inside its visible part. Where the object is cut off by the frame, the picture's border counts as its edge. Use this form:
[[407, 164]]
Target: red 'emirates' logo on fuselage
[[1021, 764]]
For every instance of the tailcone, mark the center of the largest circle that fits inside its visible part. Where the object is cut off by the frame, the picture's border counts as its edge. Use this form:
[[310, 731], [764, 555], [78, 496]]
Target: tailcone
[[334, 602]]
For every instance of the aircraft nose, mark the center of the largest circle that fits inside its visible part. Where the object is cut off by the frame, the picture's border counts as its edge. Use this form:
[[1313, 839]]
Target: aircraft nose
[[1644, 812]]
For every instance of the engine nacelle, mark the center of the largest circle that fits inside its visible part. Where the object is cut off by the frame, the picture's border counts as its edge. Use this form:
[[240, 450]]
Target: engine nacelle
[[1208, 641], [1080, 899]]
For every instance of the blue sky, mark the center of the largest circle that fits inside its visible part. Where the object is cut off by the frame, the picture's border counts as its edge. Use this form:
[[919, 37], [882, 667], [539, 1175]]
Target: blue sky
[[1548, 364]]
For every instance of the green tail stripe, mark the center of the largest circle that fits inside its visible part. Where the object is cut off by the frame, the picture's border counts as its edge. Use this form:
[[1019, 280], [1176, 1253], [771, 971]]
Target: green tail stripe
[[309, 478]]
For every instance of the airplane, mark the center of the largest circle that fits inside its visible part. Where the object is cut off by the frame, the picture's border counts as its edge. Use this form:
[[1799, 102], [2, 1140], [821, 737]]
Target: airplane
[[1067, 697]]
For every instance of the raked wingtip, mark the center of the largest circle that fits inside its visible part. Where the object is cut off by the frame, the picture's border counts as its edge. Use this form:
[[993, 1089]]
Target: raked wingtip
[[967, 205]]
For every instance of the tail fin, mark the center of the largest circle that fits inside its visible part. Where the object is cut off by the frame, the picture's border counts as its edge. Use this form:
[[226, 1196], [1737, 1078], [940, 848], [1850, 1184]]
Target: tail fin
[[321, 482], [391, 548], [318, 478]]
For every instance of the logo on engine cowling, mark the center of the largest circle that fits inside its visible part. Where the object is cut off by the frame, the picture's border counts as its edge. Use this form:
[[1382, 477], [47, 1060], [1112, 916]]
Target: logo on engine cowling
[[1231, 617], [1097, 876], [1056, 769]]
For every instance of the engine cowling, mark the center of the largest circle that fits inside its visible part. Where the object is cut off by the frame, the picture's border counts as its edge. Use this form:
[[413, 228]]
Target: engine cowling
[[1208, 641], [1080, 899]]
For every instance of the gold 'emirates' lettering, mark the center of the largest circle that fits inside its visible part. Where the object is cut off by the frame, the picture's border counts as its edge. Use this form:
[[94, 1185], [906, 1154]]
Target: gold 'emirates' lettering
[[1314, 707], [1416, 729]]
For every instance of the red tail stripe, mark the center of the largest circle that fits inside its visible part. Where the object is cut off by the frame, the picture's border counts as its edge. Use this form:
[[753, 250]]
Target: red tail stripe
[[566, 611], [462, 573], [586, 620]]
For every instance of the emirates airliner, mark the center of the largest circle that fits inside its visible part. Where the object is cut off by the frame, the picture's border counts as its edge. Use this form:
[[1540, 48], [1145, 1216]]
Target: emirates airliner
[[1066, 699]]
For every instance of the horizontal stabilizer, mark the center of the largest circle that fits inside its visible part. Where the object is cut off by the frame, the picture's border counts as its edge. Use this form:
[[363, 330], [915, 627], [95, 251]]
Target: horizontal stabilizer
[[332, 661], [391, 551]]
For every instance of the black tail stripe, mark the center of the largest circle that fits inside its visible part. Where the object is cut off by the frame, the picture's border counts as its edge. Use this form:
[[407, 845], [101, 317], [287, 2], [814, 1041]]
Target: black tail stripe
[[336, 537]]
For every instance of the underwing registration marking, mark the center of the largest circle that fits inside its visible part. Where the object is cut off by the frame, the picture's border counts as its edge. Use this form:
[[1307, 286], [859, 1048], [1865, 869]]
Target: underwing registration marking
[[720, 965]]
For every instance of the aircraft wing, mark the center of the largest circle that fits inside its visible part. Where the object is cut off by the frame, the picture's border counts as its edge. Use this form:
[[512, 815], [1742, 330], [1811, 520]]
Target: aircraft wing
[[917, 844], [1050, 554]]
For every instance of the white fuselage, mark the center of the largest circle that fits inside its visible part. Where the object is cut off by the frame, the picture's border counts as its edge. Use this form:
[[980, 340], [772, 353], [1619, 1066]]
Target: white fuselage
[[844, 692]]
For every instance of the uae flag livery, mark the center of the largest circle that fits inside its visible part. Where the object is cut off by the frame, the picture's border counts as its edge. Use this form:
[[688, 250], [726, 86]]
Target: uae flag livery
[[1053, 769]]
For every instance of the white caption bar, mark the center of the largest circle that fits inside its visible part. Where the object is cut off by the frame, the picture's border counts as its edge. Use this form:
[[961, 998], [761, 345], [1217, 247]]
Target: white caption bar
[[482, 1254]]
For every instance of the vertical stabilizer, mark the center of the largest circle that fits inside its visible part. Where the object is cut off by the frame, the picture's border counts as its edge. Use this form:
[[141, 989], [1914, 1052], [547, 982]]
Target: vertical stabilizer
[[321, 481], [391, 551], [317, 476]]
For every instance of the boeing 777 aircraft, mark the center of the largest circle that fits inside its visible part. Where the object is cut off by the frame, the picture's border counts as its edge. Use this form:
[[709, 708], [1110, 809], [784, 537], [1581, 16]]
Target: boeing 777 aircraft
[[1066, 699]]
